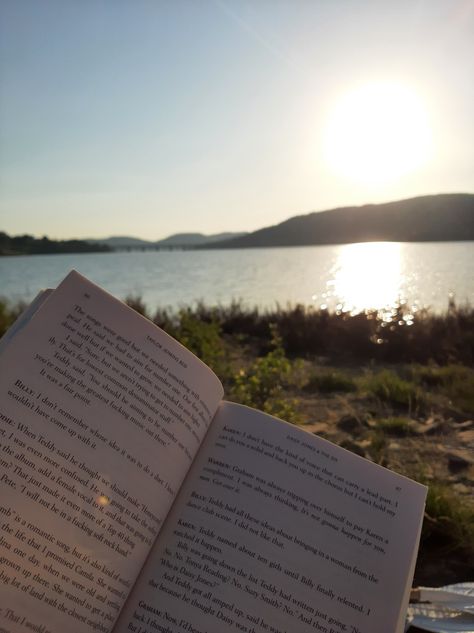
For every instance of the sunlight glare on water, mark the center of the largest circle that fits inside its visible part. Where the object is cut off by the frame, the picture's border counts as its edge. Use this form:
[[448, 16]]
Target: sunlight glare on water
[[366, 276]]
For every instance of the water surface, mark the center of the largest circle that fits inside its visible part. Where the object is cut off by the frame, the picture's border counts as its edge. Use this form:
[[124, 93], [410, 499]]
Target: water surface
[[351, 277]]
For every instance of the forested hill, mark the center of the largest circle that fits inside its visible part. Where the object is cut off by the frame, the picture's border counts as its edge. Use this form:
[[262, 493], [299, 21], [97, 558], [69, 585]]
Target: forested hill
[[443, 217], [29, 245]]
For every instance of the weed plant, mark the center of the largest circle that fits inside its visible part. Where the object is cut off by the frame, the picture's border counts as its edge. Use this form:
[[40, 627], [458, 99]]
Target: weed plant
[[422, 337]]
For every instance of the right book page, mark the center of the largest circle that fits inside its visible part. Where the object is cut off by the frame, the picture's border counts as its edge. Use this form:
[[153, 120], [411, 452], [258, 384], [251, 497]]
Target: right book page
[[278, 530]]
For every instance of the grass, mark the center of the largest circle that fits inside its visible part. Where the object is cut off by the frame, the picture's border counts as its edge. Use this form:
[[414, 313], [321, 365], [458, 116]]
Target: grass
[[388, 387], [455, 382], [378, 447], [395, 426], [449, 521], [330, 381]]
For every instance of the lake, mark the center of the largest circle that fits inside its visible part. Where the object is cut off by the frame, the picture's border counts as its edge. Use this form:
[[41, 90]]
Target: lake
[[351, 277]]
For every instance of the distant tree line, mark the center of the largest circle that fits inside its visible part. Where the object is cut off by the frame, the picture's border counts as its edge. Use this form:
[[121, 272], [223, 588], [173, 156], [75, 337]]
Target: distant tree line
[[29, 245]]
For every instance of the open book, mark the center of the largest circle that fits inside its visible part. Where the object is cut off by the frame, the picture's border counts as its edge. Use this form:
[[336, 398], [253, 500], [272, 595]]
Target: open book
[[134, 499]]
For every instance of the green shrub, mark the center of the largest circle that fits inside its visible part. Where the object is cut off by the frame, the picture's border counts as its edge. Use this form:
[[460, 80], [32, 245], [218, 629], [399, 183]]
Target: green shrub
[[9, 314], [136, 303], [261, 385], [201, 336], [203, 339]]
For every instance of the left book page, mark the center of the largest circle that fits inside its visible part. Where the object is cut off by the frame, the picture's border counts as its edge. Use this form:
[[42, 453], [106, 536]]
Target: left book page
[[101, 415]]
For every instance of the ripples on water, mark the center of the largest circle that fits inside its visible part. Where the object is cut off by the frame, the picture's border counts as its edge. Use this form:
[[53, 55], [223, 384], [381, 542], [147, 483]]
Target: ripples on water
[[352, 277]]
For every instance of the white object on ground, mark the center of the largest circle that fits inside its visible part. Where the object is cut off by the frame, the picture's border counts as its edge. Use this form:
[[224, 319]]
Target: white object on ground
[[448, 609]]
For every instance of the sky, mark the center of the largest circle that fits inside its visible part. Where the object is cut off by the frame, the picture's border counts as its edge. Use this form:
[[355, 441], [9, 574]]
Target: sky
[[153, 117]]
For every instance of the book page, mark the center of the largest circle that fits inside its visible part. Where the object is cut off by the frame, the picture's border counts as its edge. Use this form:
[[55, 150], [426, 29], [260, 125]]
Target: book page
[[101, 415], [278, 531]]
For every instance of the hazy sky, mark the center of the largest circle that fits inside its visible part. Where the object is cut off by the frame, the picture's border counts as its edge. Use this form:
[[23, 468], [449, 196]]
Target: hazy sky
[[150, 117]]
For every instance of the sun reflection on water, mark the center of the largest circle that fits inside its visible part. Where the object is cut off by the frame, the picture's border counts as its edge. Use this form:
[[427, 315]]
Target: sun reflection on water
[[367, 276]]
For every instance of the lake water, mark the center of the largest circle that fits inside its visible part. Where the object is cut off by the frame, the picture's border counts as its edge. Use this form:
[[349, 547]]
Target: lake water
[[349, 277]]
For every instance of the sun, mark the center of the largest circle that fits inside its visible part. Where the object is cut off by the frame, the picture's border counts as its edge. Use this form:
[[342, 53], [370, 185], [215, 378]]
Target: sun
[[377, 133]]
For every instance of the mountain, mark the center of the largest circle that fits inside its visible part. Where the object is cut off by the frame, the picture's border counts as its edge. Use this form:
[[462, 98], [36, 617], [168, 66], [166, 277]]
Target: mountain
[[120, 241], [443, 217], [196, 239], [178, 240]]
